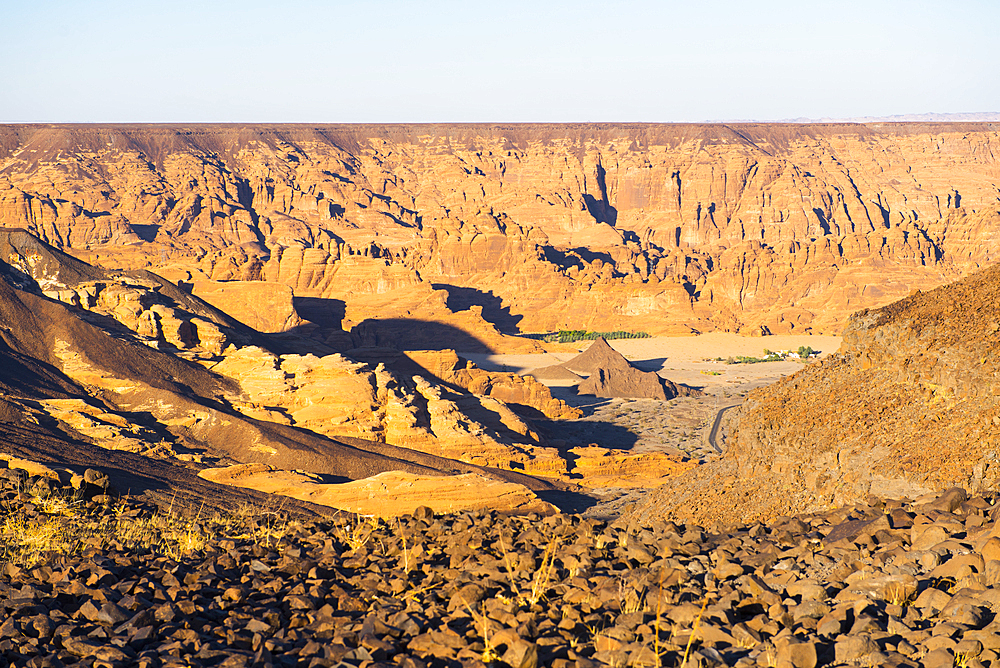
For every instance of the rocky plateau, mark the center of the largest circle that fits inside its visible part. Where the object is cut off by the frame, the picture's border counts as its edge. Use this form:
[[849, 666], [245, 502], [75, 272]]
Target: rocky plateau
[[450, 236]]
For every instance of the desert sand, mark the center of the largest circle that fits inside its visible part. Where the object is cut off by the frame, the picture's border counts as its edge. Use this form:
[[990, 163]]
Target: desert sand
[[680, 358], [388, 494], [679, 426]]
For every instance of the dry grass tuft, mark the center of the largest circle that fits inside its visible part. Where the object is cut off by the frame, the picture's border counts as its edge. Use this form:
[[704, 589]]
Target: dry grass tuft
[[356, 530], [65, 524]]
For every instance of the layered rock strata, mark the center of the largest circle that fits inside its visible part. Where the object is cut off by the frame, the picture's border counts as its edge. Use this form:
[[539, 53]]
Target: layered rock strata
[[335, 396], [661, 228]]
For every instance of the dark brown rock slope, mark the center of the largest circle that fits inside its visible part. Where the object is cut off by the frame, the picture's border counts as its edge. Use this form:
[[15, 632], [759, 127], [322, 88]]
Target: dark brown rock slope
[[910, 404]]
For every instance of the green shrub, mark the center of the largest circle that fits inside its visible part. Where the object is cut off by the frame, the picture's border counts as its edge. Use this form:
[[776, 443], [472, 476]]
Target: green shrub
[[574, 335]]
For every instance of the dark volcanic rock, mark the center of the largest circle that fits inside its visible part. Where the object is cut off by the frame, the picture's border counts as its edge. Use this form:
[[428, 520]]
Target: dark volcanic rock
[[471, 589]]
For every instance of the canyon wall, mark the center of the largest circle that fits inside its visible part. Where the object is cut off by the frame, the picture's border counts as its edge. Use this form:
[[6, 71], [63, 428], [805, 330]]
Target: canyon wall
[[495, 229]]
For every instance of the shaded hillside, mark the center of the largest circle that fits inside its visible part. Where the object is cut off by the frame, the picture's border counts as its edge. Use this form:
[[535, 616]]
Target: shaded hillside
[[659, 228], [910, 404], [80, 387]]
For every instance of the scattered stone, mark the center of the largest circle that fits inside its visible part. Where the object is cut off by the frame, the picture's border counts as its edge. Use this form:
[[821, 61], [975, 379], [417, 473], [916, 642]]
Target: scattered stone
[[522, 591]]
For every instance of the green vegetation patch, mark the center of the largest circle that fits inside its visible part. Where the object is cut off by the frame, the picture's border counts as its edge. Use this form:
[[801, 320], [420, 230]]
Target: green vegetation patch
[[573, 335], [803, 353]]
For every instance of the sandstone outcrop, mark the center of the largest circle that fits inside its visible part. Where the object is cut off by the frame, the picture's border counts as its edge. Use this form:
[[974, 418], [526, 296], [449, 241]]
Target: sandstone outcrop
[[908, 406], [153, 309], [77, 385], [608, 374], [388, 494], [265, 307], [783, 228], [335, 396], [594, 466], [509, 388]]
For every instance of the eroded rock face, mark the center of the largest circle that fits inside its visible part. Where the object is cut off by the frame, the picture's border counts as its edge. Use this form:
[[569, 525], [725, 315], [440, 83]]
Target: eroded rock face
[[336, 396], [910, 404], [659, 228], [263, 306]]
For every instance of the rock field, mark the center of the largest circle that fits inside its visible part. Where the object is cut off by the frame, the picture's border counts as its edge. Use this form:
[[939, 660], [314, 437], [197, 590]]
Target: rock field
[[91, 580]]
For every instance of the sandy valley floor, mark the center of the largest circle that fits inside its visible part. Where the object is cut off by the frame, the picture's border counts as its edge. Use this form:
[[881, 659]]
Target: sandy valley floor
[[679, 426]]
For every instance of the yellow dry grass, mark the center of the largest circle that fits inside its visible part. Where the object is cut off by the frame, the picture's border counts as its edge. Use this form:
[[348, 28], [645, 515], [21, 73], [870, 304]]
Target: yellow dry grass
[[64, 524]]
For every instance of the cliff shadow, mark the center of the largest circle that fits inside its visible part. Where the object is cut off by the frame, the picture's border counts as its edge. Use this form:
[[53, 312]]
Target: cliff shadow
[[601, 210], [564, 435], [327, 313], [494, 312], [568, 434], [574, 257], [145, 232], [413, 334], [568, 501], [655, 364], [322, 332]]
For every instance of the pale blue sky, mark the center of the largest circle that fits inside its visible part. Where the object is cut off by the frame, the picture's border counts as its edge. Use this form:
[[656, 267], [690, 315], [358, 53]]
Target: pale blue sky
[[515, 61]]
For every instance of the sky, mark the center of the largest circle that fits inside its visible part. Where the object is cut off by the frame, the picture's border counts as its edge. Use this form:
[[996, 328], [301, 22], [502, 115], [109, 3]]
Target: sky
[[412, 61]]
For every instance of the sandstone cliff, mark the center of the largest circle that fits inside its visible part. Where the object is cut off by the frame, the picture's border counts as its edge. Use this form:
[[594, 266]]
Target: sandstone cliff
[[910, 404], [122, 361], [662, 228]]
